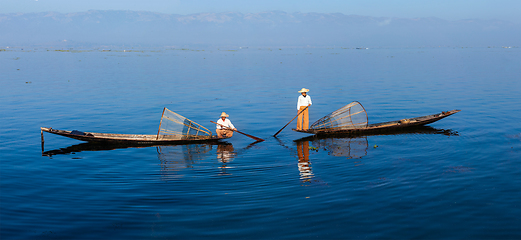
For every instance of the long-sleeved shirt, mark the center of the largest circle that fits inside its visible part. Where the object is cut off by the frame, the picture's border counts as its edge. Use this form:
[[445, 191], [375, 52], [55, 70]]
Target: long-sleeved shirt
[[303, 101], [226, 123]]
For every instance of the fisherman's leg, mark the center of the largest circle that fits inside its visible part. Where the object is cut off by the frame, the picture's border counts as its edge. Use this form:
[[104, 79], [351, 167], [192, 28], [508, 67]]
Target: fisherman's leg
[[219, 133], [229, 133], [299, 119], [299, 122], [305, 124]]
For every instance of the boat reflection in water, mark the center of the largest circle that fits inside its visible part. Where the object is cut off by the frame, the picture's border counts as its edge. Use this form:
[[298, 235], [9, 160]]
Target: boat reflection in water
[[339, 147], [348, 146], [87, 146], [173, 158]]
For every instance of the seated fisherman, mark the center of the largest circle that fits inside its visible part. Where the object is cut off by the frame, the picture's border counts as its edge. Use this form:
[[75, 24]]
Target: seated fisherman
[[227, 130]]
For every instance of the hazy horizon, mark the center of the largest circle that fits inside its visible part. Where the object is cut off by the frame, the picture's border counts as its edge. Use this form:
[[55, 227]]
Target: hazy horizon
[[264, 29], [506, 10]]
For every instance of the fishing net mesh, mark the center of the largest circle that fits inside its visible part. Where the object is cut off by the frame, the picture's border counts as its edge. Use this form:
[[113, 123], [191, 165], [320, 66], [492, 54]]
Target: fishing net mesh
[[350, 116], [173, 124]]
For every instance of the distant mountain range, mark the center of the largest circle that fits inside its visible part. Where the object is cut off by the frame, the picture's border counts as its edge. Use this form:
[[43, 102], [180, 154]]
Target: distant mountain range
[[229, 29]]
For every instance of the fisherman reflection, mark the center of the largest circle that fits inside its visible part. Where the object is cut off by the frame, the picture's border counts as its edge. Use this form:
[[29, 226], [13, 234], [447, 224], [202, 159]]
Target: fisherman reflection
[[225, 154], [306, 174]]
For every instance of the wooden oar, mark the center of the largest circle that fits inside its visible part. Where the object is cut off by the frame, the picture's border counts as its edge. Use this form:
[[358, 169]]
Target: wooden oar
[[256, 138], [290, 121]]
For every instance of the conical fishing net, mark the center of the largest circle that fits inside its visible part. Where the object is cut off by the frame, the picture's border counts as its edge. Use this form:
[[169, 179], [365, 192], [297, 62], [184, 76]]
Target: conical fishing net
[[175, 126], [350, 116]]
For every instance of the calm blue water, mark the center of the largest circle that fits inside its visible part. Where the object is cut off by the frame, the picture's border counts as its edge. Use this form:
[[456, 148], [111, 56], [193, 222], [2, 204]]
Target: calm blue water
[[460, 178]]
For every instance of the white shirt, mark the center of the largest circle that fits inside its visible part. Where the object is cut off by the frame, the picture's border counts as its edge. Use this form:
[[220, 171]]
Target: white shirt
[[226, 123], [303, 101]]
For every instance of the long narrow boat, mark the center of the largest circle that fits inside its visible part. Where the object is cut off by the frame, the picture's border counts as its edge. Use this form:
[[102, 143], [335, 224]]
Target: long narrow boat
[[129, 138], [352, 120], [173, 129]]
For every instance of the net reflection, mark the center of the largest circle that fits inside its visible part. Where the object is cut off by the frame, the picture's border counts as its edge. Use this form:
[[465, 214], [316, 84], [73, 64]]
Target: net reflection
[[351, 148], [174, 159], [343, 147]]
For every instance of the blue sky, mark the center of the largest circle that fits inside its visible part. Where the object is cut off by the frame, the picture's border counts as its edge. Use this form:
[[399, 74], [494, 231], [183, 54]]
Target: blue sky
[[445, 9]]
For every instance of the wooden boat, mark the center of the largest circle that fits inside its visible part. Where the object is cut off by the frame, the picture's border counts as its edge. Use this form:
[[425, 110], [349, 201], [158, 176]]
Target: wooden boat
[[129, 138], [352, 120], [173, 129]]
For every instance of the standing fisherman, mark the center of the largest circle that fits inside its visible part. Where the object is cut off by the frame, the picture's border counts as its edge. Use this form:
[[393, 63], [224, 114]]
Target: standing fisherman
[[303, 101]]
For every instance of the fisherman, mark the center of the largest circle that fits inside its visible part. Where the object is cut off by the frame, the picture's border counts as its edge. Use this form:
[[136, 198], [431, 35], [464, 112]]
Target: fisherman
[[303, 101], [227, 130]]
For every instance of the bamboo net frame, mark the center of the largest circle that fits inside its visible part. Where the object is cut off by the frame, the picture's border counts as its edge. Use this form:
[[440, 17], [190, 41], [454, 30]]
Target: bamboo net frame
[[350, 116], [174, 124]]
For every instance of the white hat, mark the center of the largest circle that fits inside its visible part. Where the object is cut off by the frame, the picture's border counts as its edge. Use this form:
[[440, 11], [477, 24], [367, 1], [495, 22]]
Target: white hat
[[303, 90], [224, 115]]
